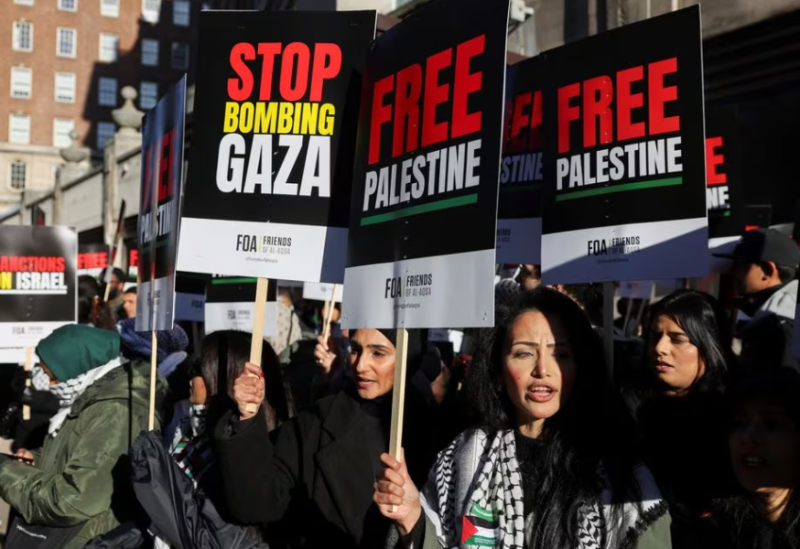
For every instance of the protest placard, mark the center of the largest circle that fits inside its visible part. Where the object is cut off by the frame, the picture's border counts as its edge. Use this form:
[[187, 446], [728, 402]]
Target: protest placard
[[624, 153], [269, 191], [229, 305], [421, 250], [38, 282], [159, 210], [519, 211]]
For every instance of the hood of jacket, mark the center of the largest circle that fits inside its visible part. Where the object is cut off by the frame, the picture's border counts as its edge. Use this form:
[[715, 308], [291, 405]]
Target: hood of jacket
[[781, 301], [129, 381], [73, 350]]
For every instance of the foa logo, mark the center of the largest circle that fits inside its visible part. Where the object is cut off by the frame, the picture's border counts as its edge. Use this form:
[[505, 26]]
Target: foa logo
[[260, 244]]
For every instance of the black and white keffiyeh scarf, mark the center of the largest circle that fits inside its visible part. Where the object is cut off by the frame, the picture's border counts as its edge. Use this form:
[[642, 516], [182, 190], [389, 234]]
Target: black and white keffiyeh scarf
[[474, 499], [68, 392]]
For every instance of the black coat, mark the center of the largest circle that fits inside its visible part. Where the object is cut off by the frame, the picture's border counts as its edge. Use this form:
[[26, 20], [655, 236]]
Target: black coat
[[312, 481]]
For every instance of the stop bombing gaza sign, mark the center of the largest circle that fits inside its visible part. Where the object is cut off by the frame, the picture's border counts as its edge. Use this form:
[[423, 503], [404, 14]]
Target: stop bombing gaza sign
[[421, 247], [268, 194], [625, 193]]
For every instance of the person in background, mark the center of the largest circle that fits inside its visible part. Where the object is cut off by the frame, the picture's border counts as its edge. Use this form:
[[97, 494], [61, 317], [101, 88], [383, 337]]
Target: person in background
[[336, 317], [764, 444], [128, 303], [117, 284], [529, 277], [92, 310], [764, 273], [314, 476], [552, 464], [74, 488], [289, 330], [170, 355], [678, 400]]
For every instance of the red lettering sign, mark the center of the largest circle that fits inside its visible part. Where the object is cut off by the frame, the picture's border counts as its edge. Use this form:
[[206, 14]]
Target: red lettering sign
[[409, 128]]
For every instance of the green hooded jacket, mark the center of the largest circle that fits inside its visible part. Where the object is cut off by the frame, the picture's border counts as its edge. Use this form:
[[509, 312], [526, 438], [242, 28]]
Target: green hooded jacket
[[76, 473]]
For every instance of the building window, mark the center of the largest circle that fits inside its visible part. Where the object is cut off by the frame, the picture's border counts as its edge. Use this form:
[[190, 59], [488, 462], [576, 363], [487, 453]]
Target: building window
[[23, 36], [19, 129], [180, 56], [61, 130], [148, 95], [109, 8], [67, 42], [149, 52], [181, 13], [109, 47], [68, 5], [107, 96], [19, 175], [21, 82], [65, 87], [151, 10], [105, 131]]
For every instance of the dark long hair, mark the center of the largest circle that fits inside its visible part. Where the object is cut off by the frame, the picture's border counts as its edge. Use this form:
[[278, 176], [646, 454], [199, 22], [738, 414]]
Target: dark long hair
[[781, 387], [706, 325], [592, 426], [90, 292], [233, 348]]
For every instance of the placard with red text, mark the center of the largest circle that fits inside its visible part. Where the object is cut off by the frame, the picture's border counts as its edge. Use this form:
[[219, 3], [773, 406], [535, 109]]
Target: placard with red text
[[727, 213], [625, 192], [159, 210], [38, 282], [519, 211], [268, 194], [421, 248]]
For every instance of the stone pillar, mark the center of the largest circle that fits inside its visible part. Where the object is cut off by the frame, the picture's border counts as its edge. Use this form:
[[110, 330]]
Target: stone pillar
[[129, 120]]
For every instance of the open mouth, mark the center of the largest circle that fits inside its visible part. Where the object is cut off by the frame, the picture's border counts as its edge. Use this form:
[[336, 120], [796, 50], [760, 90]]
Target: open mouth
[[541, 393], [663, 366], [753, 462], [364, 383]]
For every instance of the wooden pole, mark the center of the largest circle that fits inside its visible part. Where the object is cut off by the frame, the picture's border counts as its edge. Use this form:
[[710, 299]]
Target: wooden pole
[[326, 330], [151, 423], [608, 325], [257, 342], [398, 395], [26, 410]]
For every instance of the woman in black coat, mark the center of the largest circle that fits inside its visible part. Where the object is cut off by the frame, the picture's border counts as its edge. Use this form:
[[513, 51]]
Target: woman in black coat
[[311, 482]]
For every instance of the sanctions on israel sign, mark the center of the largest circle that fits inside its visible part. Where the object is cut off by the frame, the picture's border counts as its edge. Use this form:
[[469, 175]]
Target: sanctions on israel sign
[[625, 193], [38, 282], [422, 232], [272, 163]]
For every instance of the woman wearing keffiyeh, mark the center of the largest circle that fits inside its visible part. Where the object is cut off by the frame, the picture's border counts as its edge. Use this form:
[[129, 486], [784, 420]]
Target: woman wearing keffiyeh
[[551, 466]]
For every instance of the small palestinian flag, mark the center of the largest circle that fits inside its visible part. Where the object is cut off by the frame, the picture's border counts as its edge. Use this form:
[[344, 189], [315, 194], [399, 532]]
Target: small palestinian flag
[[480, 528]]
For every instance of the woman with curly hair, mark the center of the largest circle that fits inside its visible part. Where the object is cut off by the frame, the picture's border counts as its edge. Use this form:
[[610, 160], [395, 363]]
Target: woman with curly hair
[[552, 464]]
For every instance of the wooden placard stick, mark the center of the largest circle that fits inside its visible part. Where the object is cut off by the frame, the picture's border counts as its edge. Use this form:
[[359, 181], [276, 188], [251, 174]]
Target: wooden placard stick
[[399, 395], [326, 330], [26, 410], [257, 343], [151, 422]]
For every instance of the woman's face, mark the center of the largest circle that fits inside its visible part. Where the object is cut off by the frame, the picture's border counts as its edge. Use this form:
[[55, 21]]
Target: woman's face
[[765, 446], [539, 369], [675, 359], [372, 357]]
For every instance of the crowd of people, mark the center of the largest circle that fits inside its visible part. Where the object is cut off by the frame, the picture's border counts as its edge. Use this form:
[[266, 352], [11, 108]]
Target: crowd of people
[[523, 439]]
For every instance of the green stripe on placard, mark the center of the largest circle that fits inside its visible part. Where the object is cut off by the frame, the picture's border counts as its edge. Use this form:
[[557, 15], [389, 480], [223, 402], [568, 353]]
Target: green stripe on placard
[[727, 214], [638, 186], [421, 209], [533, 187], [234, 280]]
